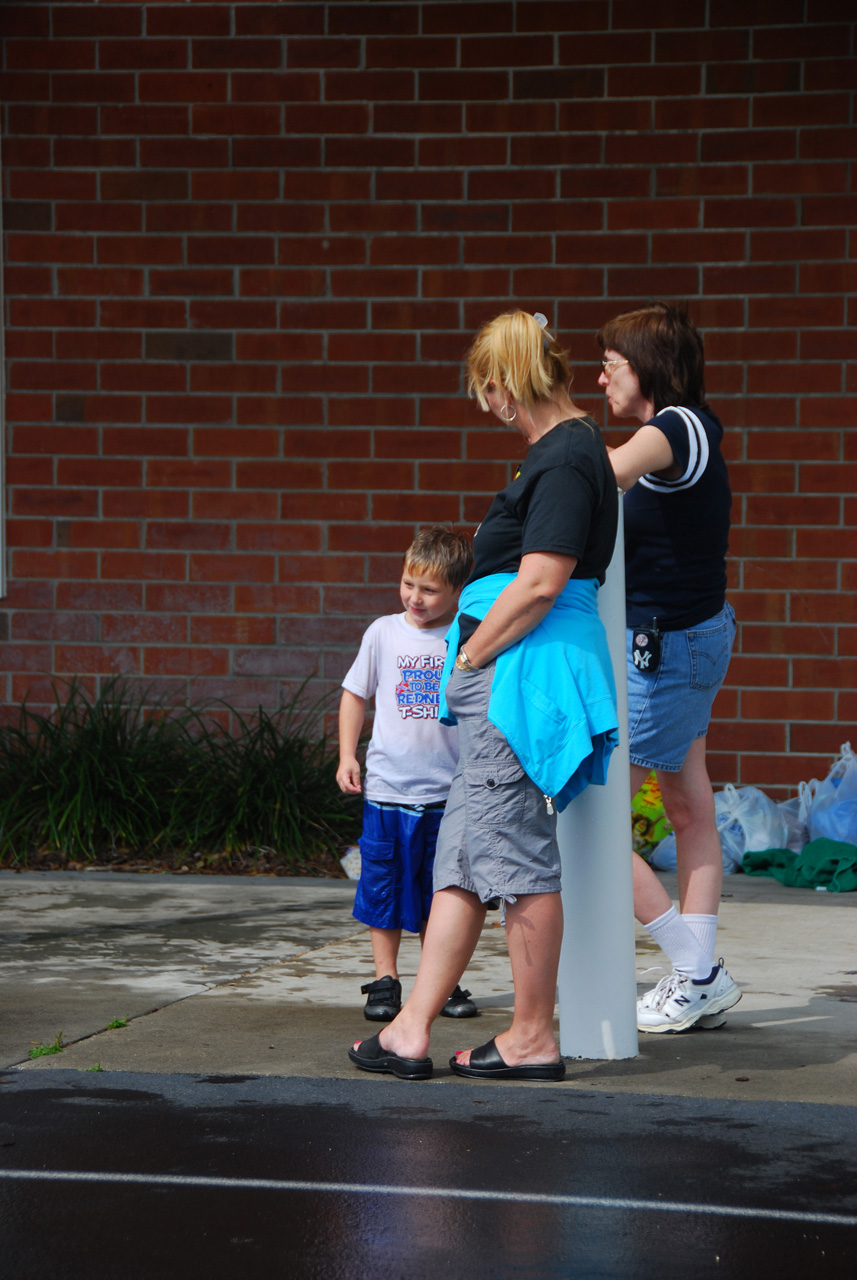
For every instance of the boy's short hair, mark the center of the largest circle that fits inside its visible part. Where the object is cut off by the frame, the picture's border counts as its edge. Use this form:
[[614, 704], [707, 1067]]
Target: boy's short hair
[[441, 553]]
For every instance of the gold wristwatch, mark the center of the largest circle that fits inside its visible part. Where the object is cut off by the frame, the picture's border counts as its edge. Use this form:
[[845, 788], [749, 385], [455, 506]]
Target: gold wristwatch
[[463, 662]]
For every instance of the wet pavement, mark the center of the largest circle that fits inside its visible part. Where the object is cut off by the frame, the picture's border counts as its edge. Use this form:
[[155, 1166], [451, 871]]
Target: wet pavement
[[223, 1128], [143, 1176]]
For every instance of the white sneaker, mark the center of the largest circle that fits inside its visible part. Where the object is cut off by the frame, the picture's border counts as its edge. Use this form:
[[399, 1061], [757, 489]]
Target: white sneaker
[[677, 1002]]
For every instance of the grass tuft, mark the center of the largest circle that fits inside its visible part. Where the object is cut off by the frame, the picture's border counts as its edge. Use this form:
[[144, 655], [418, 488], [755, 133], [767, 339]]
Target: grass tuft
[[119, 773]]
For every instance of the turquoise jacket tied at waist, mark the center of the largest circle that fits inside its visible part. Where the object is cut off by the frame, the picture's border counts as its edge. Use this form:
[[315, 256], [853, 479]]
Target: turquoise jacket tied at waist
[[553, 695]]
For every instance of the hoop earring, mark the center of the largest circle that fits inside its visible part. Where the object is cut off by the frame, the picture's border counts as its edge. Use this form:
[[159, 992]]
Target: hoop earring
[[504, 416]]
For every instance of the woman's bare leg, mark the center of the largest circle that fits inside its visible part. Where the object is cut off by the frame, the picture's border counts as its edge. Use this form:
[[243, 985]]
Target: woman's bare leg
[[534, 937], [689, 802], [452, 933]]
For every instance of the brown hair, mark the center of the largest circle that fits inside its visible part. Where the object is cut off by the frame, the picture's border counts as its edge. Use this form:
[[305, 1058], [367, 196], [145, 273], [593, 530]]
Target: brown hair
[[442, 553], [517, 355], [664, 348]]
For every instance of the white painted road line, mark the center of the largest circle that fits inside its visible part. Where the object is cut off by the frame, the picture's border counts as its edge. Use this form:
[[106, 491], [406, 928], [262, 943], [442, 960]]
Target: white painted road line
[[437, 1193]]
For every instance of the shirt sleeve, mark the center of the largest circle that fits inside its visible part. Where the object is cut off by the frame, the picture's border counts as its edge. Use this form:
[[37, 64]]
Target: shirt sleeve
[[361, 678], [689, 442]]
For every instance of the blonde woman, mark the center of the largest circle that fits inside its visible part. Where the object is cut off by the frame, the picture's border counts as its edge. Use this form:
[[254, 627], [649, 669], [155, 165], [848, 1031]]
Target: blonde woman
[[529, 683]]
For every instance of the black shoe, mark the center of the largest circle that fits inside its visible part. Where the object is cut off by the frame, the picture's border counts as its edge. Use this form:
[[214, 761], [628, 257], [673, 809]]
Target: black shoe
[[384, 999], [459, 1005]]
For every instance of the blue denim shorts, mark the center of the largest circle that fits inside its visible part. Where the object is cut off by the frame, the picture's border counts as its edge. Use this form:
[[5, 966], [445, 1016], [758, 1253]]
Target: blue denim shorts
[[396, 866], [671, 707]]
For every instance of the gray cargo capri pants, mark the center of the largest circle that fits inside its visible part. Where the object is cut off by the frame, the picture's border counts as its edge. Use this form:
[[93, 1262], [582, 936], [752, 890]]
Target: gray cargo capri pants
[[497, 838]]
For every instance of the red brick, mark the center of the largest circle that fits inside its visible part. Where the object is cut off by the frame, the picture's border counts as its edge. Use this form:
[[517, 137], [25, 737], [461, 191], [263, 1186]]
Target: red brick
[[372, 86], [703, 180], [53, 55], [176, 535], [183, 473], [229, 631], [229, 314], [26, 657], [698, 246], [181, 86], [279, 410], [94, 86], [458, 152], [184, 153], [406, 184], [54, 502], [278, 536], [325, 506], [142, 313], [827, 411], [81, 565], [279, 475], [468, 217], [829, 73], [784, 179], [795, 378], [233, 377], [143, 565], [795, 704], [101, 472], [796, 312], [468, 86], [283, 217], [279, 347], [235, 506], [187, 217], [320, 568], [748, 145], [797, 245], [49, 248], [188, 660], [277, 599], [96, 217], [154, 250], [191, 282], [828, 144], [148, 53], [186, 597], [27, 279], [809, 40], [702, 113], [793, 510], [53, 626], [322, 52], [275, 283], [394, 52], [100, 281], [792, 444], [145, 503], [42, 375]]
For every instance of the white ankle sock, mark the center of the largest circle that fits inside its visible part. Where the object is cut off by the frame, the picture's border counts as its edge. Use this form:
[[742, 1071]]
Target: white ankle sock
[[704, 929], [675, 938]]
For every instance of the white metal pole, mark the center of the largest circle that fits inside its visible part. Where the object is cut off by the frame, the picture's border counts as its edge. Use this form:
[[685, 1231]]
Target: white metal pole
[[597, 977]]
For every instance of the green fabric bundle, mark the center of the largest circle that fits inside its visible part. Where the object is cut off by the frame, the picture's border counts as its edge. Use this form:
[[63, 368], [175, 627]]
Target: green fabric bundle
[[823, 863]]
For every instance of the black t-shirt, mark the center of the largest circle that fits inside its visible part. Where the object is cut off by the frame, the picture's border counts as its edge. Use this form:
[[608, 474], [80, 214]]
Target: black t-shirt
[[562, 500], [677, 531]]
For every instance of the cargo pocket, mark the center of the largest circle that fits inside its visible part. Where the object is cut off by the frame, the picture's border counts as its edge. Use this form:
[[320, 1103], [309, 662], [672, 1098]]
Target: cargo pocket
[[377, 870], [495, 793]]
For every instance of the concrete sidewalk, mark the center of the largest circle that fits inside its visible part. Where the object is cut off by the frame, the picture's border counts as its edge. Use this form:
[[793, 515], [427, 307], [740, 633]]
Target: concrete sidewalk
[[233, 976]]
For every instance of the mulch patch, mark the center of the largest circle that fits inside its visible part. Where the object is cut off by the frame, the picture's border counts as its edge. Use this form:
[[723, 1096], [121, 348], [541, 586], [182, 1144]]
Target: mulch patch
[[256, 862]]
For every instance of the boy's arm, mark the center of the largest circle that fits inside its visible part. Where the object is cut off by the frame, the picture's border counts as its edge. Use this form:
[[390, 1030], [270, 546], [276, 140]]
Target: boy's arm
[[352, 713]]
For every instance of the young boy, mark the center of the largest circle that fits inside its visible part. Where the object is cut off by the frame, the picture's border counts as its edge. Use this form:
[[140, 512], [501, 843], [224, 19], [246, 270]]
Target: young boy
[[410, 759]]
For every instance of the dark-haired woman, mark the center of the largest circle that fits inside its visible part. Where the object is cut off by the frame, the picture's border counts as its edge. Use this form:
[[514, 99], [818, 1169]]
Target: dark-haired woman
[[680, 635]]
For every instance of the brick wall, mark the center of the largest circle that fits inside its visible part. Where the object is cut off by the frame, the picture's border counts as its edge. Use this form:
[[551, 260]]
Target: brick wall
[[246, 244]]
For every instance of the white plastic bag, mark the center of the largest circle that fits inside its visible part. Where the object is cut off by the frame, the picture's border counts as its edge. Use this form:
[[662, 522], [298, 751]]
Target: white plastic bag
[[795, 813], [833, 810], [746, 819]]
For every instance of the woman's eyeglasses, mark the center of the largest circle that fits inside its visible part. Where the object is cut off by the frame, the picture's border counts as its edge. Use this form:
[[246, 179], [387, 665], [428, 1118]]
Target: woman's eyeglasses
[[609, 365]]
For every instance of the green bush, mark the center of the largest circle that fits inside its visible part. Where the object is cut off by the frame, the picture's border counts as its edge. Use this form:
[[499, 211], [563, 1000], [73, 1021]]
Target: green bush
[[121, 773]]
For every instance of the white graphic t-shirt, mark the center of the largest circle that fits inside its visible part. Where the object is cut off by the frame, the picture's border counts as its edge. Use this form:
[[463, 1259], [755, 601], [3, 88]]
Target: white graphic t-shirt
[[411, 757]]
